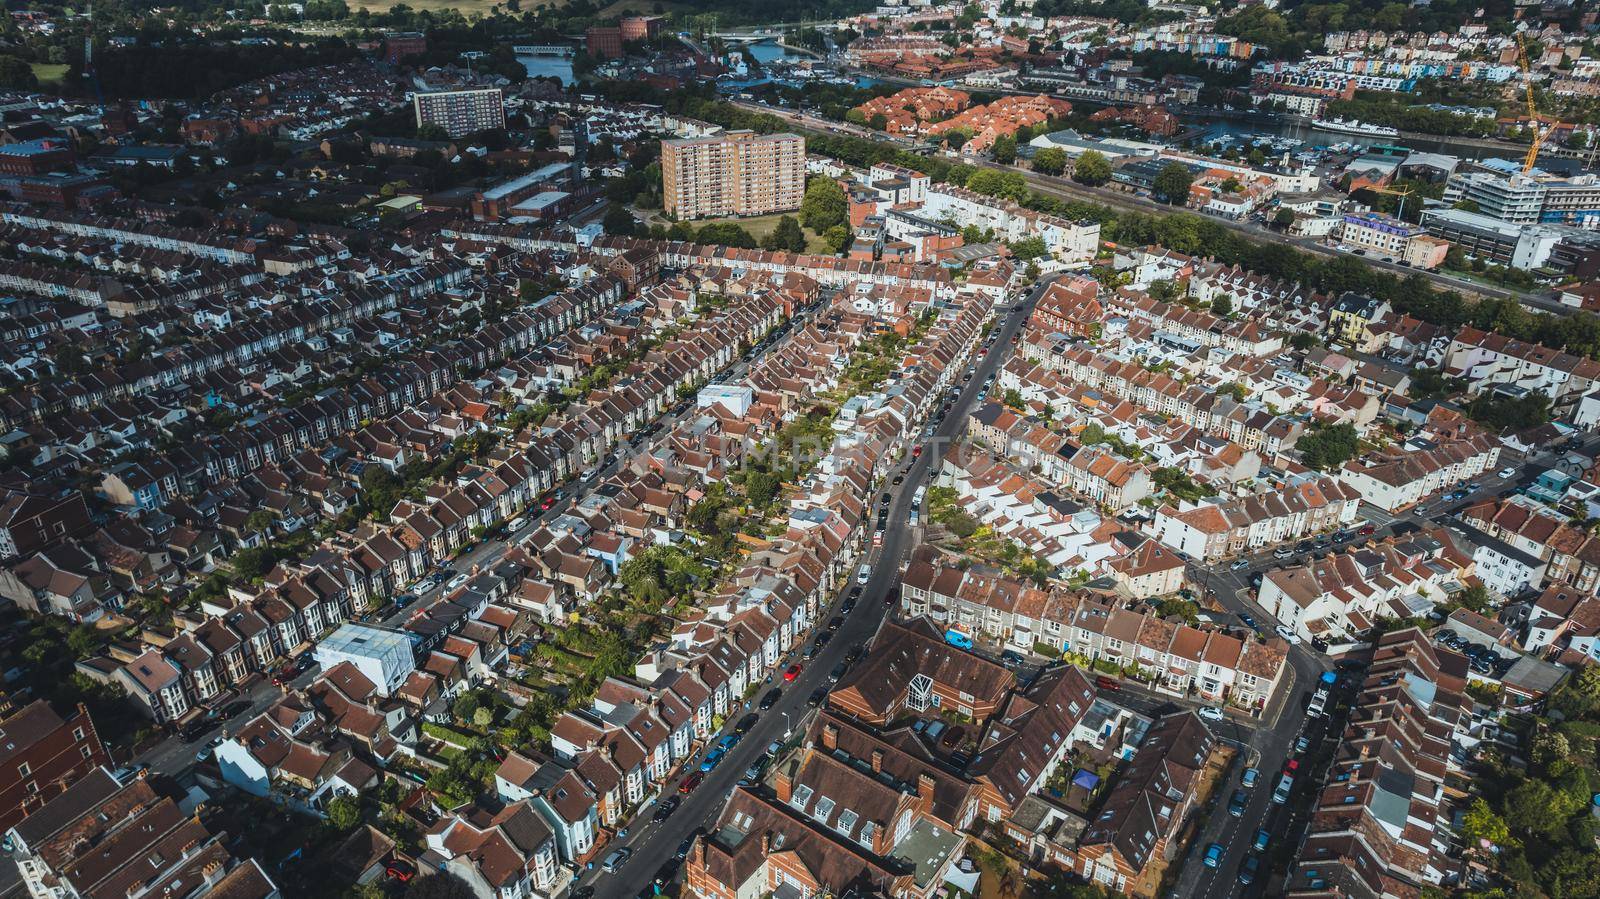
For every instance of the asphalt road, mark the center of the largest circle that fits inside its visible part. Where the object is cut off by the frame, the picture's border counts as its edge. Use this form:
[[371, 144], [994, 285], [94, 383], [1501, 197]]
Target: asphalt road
[[654, 844], [1271, 746]]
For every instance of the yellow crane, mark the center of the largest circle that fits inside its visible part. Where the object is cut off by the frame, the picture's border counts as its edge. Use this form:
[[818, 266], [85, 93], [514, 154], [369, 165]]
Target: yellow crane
[[1400, 211], [1539, 131]]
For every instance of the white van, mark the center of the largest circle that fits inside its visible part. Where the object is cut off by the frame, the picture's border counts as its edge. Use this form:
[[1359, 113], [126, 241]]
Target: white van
[[863, 573]]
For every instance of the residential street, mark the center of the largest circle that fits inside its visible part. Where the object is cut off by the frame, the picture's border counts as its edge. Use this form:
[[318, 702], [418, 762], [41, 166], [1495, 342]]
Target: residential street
[[173, 756], [654, 845]]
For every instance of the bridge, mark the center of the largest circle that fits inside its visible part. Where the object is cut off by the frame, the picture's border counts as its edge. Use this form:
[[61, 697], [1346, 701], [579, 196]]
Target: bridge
[[541, 50]]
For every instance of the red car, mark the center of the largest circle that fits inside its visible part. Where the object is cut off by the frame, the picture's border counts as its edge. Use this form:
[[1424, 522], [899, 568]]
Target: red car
[[1292, 766], [1367, 530], [1107, 683], [792, 673], [916, 451], [689, 783], [547, 502]]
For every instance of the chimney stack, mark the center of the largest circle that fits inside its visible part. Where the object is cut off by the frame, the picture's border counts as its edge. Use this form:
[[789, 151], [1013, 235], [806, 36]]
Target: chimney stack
[[925, 785], [877, 760], [699, 854], [830, 736], [766, 843]]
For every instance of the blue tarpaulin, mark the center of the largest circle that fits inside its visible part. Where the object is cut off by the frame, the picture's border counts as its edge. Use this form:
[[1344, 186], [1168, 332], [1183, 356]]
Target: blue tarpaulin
[[1086, 779]]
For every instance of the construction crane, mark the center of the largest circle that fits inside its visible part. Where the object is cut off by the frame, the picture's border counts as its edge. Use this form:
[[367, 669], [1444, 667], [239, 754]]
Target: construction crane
[[1400, 211], [1539, 131]]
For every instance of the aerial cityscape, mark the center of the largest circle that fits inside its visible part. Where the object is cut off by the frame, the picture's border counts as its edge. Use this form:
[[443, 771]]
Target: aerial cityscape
[[1017, 449]]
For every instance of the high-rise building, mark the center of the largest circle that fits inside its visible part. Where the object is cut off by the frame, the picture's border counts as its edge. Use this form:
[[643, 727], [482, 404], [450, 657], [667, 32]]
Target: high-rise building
[[461, 112], [603, 41], [736, 173]]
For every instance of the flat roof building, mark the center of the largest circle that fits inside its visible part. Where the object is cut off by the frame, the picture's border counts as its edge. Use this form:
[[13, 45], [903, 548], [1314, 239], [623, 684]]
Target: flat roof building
[[461, 112], [385, 656], [736, 173]]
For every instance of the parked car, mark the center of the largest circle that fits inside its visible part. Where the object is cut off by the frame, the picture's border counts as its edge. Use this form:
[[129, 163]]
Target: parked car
[[1105, 682], [1290, 636], [1250, 777], [1213, 855], [1239, 564], [792, 672], [1510, 471], [615, 860], [745, 723], [863, 574], [770, 698], [1237, 803], [1248, 869], [666, 808], [817, 697], [1262, 839], [690, 782], [1211, 713]]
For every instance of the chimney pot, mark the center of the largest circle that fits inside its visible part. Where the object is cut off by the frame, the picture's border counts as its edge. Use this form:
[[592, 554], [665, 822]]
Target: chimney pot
[[925, 785]]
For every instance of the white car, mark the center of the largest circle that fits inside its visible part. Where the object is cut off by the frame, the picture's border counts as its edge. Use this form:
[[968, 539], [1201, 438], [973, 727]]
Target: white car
[[1210, 713], [863, 574], [1289, 635], [1508, 472]]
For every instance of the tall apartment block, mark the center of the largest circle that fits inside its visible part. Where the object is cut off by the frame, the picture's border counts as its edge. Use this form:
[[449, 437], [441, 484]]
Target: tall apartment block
[[735, 173], [461, 112]]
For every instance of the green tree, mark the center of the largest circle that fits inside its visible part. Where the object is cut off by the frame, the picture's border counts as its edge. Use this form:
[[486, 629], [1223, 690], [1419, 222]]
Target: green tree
[[837, 238], [344, 813], [761, 487], [1326, 447], [824, 205], [1004, 150], [1538, 810], [786, 236], [442, 885], [1092, 168], [1050, 161], [1222, 305], [618, 220], [1172, 184], [1030, 248], [1480, 824], [1283, 218]]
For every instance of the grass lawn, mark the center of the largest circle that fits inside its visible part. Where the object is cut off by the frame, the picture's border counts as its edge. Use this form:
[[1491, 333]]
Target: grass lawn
[[758, 226], [48, 72]]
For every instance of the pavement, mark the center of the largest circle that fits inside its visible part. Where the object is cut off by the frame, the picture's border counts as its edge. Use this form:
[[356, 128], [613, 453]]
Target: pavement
[[653, 845]]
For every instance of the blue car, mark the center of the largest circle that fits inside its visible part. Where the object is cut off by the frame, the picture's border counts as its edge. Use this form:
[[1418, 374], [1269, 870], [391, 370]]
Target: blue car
[[728, 741], [1262, 839], [713, 759], [1213, 855], [1248, 621]]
